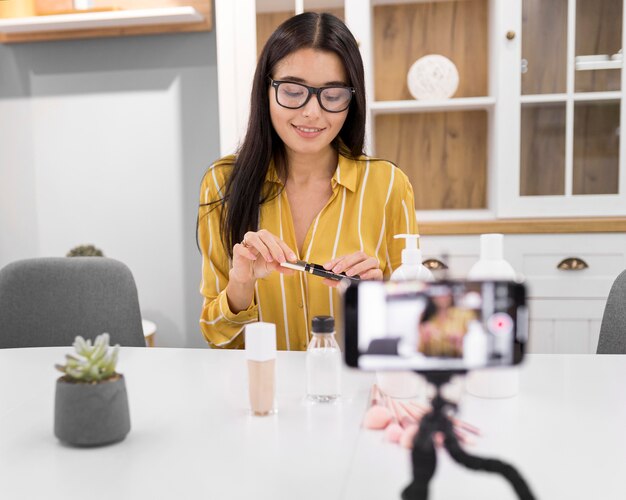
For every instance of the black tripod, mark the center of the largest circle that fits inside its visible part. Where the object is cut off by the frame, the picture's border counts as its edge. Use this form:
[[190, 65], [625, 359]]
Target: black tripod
[[424, 456]]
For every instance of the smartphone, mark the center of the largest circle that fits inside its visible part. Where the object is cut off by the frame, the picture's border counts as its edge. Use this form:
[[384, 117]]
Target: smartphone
[[441, 326]]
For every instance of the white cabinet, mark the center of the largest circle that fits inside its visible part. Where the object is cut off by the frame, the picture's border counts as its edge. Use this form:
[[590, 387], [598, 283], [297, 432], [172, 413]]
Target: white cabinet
[[566, 306], [566, 153], [533, 129]]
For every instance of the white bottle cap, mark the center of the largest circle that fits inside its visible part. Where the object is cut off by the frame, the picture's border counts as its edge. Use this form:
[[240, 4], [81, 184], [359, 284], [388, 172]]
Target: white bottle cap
[[491, 246], [261, 341]]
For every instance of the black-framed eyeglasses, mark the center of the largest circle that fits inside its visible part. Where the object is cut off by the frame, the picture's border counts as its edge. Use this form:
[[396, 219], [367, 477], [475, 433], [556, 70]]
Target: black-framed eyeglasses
[[293, 95]]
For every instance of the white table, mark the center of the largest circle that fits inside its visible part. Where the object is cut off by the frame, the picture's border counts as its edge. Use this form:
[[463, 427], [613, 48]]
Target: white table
[[191, 436]]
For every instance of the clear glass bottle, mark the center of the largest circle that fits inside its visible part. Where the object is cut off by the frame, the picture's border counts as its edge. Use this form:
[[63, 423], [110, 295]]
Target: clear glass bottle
[[323, 362]]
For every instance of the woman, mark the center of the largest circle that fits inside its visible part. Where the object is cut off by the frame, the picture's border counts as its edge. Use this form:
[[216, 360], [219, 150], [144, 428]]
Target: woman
[[298, 188]]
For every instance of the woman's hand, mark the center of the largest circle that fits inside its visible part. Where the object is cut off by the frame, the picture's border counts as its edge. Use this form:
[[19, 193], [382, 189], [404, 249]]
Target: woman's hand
[[357, 263], [258, 255]]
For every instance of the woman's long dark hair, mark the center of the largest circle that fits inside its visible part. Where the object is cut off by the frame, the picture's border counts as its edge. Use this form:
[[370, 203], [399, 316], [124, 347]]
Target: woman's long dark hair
[[244, 188]]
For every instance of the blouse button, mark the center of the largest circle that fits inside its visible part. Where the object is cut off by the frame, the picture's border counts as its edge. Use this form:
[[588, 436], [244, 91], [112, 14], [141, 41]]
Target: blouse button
[[300, 305]]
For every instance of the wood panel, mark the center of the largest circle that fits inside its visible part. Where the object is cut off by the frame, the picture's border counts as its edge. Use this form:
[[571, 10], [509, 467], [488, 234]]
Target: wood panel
[[16, 8], [598, 31], [49, 7], [544, 46], [443, 154], [404, 33], [338, 12], [525, 226], [202, 6], [267, 22], [596, 148], [542, 162]]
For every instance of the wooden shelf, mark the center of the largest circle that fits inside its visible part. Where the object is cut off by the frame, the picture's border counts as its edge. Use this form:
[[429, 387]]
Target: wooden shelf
[[193, 17], [97, 20], [579, 96], [456, 104], [525, 226]]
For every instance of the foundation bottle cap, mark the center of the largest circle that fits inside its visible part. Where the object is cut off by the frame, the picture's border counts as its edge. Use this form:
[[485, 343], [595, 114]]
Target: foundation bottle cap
[[260, 341], [323, 324]]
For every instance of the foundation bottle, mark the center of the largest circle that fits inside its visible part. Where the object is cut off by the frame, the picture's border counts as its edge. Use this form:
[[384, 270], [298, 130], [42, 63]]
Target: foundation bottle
[[261, 360]]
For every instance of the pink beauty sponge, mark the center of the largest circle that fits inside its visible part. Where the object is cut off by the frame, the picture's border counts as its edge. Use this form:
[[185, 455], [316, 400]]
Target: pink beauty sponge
[[406, 440], [393, 432], [377, 417]]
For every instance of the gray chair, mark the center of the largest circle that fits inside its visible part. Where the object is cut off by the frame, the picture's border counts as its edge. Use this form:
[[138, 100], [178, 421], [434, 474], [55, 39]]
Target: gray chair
[[49, 301], [613, 330]]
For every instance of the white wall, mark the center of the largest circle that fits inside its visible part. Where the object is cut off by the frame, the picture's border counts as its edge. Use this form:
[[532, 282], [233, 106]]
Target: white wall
[[105, 142]]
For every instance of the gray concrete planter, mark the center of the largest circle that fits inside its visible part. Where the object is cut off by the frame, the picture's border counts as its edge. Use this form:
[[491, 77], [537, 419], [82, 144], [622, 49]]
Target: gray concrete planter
[[91, 414]]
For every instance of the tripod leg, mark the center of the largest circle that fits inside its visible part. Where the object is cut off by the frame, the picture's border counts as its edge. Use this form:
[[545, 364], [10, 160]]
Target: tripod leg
[[473, 462], [424, 459]]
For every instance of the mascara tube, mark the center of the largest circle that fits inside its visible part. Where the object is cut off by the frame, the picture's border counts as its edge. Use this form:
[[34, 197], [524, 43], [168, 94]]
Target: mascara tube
[[318, 270]]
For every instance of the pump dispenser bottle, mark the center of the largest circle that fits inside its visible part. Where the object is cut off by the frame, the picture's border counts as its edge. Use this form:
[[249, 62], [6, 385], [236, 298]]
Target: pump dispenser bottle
[[406, 384], [500, 382], [412, 267]]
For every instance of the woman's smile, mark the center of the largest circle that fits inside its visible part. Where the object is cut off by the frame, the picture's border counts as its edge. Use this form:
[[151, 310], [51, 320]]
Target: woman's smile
[[308, 132]]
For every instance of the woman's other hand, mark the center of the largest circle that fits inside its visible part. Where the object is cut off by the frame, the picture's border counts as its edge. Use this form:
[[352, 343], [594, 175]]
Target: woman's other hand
[[258, 254], [357, 263]]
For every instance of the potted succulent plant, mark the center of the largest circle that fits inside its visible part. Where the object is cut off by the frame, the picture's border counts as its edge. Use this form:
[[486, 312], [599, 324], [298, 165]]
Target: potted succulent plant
[[91, 404], [85, 251]]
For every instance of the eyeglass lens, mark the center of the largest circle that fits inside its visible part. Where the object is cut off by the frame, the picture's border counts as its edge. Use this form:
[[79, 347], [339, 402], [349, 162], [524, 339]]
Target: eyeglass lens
[[294, 95]]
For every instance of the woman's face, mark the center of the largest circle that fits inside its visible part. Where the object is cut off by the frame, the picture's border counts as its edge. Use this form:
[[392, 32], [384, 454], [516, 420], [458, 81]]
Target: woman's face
[[310, 129]]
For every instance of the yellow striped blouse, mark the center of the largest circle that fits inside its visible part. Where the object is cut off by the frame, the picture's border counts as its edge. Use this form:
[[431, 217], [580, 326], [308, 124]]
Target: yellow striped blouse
[[371, 201]]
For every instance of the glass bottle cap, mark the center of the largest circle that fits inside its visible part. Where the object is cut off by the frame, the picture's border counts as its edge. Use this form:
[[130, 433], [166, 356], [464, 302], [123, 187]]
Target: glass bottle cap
[[323, 324]]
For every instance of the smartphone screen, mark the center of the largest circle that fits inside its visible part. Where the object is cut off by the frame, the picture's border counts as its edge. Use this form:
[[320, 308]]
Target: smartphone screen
[[451, 325]]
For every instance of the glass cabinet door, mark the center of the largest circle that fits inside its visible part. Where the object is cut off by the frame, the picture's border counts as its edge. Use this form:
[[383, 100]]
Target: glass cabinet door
[[570, 108], [544, 47], [542, 154]]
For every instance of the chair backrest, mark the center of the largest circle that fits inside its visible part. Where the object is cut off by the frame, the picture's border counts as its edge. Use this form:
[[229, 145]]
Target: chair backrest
[[49, 301], [613, 330]]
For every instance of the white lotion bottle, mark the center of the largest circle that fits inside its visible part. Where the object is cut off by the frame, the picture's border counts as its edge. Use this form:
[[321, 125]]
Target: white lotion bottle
[[406, 384], [501, 382], [491, 264]]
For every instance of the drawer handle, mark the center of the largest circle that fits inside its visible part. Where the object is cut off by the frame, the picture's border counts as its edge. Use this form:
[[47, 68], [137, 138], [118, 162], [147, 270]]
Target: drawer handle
[[572, 264], [434, 264]]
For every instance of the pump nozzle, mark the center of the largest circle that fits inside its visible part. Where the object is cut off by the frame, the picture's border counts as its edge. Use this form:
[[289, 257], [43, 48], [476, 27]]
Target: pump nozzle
[[411, 253], [411, 240]]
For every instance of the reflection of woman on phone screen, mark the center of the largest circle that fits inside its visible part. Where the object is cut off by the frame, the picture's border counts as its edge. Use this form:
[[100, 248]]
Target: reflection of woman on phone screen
[[299, 187], [442, 326]]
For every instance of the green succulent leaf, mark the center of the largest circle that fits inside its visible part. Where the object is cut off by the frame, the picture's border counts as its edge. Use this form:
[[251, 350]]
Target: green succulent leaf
[[93, 362]]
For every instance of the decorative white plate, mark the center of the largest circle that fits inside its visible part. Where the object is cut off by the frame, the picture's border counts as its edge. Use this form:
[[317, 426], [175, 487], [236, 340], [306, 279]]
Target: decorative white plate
[[432, 77]]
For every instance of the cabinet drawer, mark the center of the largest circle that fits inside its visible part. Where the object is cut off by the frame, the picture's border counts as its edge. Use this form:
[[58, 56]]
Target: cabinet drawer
[[459, 253], [538, 258], [564, 326], [563, 336], [567, 309]]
